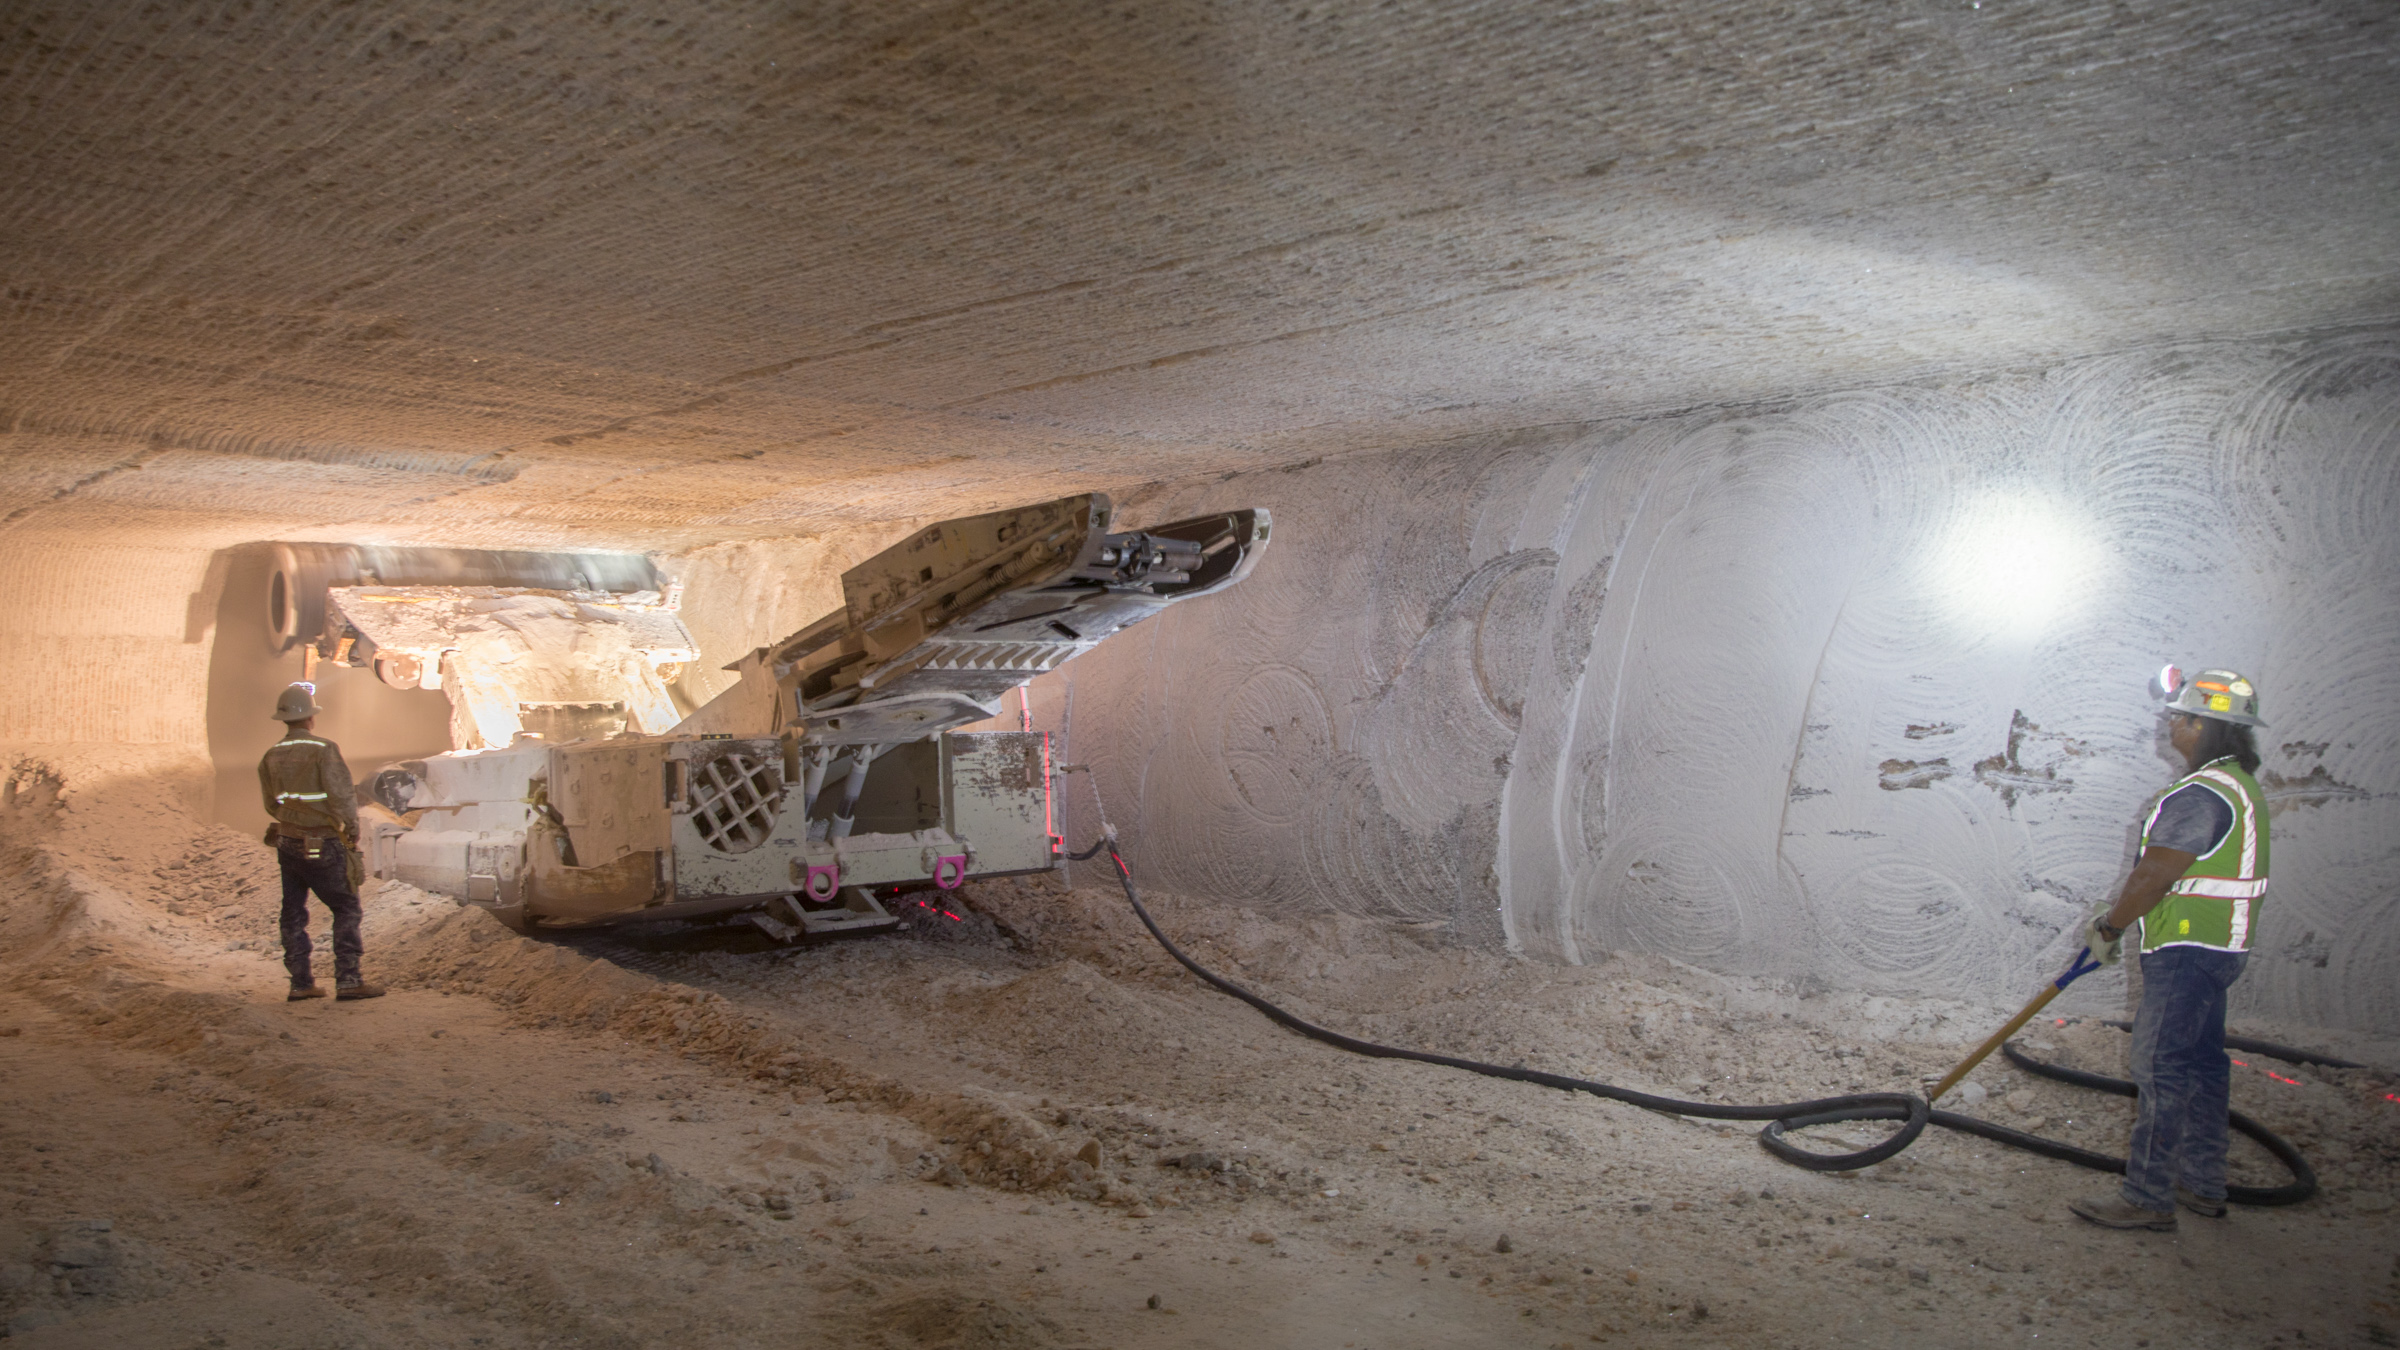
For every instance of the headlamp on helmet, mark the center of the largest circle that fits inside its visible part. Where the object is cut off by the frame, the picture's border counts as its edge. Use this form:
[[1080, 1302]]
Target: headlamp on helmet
[[2224, 695], [297, 702]]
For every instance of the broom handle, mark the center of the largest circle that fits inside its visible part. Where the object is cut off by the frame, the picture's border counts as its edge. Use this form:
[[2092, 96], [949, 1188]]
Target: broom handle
[[2082, 965]]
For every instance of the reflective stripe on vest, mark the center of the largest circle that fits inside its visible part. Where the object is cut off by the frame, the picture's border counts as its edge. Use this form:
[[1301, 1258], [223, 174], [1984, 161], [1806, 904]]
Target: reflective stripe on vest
[[308, 745], [2214, 904]]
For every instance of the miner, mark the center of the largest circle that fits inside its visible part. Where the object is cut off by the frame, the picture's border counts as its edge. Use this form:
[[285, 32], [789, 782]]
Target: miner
[[2195, 896], [307, 790]]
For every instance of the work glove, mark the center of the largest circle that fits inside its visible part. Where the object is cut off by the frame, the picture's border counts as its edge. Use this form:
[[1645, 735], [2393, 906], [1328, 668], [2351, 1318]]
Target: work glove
[[2105, 950]]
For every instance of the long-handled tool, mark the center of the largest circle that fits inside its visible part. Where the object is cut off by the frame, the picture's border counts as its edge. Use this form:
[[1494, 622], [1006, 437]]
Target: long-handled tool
[[2082, 965]]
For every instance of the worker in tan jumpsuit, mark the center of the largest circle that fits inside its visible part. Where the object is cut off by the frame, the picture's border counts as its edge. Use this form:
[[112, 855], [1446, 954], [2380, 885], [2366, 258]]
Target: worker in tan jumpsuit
[[307, 790]]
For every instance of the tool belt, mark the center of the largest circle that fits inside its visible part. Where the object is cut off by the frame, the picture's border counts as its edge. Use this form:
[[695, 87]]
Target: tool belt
[[313, 843]]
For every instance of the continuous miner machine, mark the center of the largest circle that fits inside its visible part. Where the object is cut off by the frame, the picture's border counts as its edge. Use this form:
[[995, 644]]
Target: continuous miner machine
[[830, 774]]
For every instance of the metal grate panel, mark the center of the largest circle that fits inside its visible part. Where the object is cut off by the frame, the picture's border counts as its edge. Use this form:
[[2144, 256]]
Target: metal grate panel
[[735, 800]]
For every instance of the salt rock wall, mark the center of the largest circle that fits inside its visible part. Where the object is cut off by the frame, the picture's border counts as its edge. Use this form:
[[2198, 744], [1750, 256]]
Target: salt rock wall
[[743, 595], [107, 632], [1850, 691]]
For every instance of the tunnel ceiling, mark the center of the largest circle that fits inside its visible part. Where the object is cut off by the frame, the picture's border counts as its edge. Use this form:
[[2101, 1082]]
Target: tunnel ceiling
[[661, 275]]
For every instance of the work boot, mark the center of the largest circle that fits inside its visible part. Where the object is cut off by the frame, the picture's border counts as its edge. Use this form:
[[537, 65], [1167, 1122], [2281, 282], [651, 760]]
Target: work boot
[[2200, 1205], [301, 991], [2111, 1211], [362, 989]]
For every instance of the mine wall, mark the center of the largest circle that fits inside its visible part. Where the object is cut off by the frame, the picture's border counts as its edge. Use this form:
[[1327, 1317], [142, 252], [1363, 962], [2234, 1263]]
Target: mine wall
[[1848, 690]]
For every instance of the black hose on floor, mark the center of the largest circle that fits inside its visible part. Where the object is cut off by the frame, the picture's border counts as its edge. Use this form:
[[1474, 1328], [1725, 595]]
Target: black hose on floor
[[1901, 1106], [2255, 1045], [1907, 1107], [2304, 1178]]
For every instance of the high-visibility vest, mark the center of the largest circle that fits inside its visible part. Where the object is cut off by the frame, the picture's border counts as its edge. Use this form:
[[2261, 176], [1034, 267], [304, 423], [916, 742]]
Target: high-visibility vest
[[2215, 904]]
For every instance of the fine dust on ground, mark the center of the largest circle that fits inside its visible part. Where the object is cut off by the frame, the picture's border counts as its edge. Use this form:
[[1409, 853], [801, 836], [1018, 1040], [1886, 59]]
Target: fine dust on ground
[[1024, 1127]]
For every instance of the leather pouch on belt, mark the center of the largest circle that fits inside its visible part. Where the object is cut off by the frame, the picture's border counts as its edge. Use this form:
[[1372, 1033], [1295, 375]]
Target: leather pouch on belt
[[354, 863], [274, 833]]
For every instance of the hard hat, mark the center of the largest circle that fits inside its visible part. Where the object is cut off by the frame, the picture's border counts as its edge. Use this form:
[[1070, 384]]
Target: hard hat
[[2222, 694], [297, 703]]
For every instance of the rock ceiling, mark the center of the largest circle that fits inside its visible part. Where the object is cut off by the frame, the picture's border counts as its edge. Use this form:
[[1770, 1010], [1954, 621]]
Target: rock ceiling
[[659, 276]]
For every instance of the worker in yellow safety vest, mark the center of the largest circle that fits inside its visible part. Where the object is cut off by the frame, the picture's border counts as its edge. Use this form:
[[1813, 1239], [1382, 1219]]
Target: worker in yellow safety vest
[[307, 789], [2195, 895]]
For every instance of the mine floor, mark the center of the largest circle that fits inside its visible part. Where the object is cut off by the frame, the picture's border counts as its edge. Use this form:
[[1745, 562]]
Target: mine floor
[[1024, 1127]]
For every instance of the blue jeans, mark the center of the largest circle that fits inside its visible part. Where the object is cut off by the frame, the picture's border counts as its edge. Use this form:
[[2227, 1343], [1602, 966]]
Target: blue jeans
[[2185, 1079]]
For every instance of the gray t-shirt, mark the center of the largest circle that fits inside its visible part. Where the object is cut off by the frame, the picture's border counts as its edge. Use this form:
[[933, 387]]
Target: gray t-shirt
[[2192, 818]]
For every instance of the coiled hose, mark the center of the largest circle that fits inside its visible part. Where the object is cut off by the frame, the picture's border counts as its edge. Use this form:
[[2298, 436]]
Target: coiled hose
[[1911, 1110]]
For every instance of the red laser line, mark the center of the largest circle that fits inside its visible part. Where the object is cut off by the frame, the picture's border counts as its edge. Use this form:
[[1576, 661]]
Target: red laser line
[[2270, 1073], [943, 912]]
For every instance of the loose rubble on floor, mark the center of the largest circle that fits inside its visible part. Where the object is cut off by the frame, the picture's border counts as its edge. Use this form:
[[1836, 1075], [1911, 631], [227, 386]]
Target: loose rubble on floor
[[1025, 1126]]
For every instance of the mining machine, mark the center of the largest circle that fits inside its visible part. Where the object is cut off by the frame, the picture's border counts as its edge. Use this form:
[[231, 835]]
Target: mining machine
[[830, 777]]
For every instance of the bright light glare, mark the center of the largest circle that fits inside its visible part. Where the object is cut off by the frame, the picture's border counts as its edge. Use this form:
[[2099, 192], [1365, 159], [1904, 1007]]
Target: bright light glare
[[2016, 565]]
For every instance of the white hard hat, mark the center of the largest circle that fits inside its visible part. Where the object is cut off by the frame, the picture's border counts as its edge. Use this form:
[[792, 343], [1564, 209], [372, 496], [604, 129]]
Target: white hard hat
[[2222, 694], [297, 703]]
